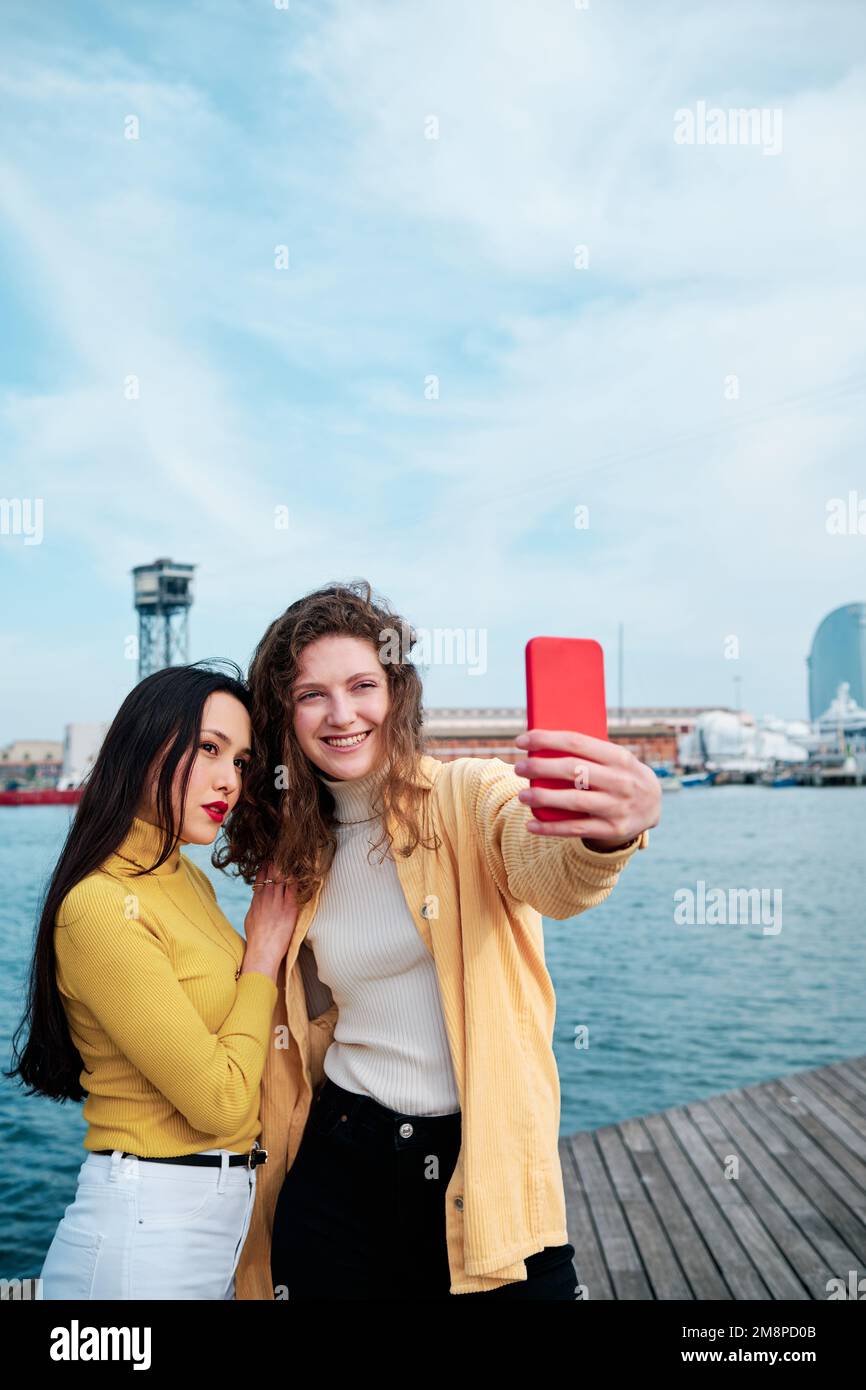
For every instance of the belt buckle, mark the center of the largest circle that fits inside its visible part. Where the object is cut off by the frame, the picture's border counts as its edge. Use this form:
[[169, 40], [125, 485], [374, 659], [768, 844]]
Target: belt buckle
[[260, 1154]]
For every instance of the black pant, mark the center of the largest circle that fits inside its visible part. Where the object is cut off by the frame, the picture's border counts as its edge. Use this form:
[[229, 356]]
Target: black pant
[[361, 1213]]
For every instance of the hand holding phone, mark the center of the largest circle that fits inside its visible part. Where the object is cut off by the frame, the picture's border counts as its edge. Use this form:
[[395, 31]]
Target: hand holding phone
[[568, 721], [564, 690]]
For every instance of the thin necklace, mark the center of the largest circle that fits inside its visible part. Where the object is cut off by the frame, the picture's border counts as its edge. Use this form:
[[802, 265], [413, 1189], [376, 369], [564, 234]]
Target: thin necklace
[[221, 944]]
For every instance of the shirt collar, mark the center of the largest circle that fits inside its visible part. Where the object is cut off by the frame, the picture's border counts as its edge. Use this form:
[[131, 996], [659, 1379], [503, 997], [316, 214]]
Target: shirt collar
[[141, 847], [423, 774], [353, 797]]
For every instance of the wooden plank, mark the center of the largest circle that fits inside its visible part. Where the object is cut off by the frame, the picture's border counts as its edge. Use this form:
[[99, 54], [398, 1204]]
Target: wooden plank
[[621, 1256], [842, 1170], [698, 1266], [733, 1264], [652, 1215], [760, 1253], [814, 1248], [835, 1098], [659, 1260], [754, 1201], [777, 1201], [827, 1187], [588, 1255], [854, 1083]]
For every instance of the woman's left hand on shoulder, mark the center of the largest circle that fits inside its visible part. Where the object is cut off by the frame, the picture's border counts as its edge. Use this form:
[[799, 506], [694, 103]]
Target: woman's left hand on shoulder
[[619, 796]]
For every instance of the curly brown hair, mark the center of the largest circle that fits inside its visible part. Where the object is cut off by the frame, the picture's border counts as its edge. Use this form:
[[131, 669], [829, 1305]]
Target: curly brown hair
[[285, 813]]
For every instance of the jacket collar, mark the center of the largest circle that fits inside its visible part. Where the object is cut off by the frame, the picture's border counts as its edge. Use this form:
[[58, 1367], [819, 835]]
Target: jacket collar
[[426, 771]]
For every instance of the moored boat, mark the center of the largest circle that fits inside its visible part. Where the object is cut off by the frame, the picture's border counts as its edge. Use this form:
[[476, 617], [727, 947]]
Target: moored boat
[[49, 796]]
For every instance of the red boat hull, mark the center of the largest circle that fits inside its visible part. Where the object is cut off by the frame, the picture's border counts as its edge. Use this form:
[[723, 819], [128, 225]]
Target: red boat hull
[[43, 798]]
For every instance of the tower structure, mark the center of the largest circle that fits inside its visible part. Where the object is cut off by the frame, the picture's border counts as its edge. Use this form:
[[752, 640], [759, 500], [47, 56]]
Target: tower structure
[[163, 598]]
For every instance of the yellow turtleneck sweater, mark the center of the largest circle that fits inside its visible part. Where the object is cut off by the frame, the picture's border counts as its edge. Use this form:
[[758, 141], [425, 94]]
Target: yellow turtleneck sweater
[[174, 1044]]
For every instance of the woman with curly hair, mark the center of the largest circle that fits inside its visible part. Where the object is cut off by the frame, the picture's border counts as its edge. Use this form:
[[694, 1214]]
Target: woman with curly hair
[[412, 1112]]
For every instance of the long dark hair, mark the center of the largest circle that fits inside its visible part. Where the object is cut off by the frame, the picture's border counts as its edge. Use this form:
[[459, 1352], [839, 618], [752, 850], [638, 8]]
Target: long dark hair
[[161, 715]]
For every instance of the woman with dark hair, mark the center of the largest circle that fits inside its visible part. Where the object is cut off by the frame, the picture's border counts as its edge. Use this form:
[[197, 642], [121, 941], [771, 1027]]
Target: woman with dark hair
[[424, 1161], [145, 1000]]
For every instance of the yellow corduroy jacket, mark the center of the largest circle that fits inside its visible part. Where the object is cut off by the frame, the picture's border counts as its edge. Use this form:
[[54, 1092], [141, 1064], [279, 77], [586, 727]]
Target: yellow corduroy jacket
[[478, 904]]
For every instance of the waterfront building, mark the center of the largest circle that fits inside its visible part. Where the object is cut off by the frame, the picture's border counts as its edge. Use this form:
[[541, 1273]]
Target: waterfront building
[[838, 655]]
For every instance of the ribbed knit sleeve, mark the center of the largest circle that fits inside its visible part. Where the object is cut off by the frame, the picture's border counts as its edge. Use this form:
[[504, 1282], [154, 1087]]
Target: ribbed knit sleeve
[[120, 968], [557, 875]]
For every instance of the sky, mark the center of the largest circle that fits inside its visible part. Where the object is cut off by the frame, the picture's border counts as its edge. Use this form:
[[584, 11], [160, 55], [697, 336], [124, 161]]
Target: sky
[[450, 297]]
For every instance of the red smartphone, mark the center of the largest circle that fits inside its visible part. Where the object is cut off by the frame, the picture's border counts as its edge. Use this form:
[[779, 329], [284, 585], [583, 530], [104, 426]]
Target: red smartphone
[[564, 690]]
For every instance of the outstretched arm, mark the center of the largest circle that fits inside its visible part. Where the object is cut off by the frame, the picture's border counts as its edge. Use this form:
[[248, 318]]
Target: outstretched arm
[[547, 864]]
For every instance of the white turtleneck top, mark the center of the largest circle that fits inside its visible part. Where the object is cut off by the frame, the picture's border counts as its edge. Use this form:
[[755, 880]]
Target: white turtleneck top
[[390, 1041]]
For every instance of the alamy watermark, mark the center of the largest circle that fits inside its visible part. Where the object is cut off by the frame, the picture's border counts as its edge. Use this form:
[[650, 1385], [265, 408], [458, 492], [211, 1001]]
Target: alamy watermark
[[846, 517], [855, 1289], [713, 125], [731, 906], [22, 516], [79, 1342], [27, 1290], [438, 646]]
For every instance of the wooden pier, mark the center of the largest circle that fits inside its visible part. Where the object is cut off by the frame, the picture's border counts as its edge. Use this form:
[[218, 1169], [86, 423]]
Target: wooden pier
[[651, 1214]]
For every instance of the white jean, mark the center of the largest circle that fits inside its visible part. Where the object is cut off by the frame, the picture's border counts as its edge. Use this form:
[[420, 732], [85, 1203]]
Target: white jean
[[140, 1230]]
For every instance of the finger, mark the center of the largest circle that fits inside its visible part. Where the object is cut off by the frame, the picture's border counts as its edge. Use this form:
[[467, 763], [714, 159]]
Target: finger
[[591, 803], [586, 829], [569, 741], [273, 873], [597, 774]]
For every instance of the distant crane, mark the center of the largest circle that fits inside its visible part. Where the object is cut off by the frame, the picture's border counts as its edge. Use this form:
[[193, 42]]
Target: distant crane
[[163, 598]]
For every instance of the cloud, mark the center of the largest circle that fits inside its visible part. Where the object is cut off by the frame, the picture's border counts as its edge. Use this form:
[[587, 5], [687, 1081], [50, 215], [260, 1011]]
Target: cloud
[[411, 258]]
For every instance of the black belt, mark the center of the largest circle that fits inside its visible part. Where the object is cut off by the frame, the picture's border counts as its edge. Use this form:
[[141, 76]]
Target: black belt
[[255, 1156]]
